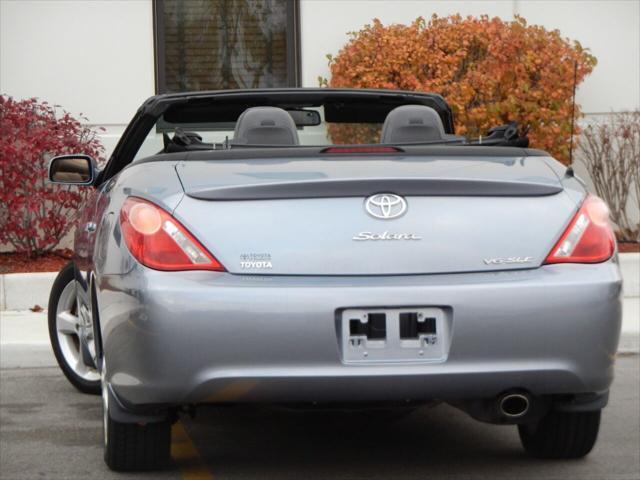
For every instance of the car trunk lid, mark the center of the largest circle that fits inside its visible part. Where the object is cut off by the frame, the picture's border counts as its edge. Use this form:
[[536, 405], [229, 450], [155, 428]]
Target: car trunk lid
[[310, 217]]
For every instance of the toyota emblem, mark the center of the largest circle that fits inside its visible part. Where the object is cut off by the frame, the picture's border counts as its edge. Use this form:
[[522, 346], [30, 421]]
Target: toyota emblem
[[385, 206]]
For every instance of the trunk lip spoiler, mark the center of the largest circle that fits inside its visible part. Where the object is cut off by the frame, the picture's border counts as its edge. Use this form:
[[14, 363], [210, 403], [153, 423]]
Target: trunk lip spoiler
[[364, 187]]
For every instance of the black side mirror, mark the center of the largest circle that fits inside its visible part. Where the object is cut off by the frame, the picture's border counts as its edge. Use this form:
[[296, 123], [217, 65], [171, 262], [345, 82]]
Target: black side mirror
[[73, 170]]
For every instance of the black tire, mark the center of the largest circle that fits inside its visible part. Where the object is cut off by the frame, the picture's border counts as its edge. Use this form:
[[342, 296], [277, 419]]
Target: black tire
[[561, 435], [66, 276], [136, 447]]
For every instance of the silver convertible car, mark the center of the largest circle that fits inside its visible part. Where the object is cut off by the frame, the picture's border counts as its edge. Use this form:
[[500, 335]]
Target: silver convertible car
[[331, 247]]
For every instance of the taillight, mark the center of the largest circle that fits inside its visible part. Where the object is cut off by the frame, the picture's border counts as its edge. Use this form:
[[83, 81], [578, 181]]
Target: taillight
[[589, 237], [159, 241]]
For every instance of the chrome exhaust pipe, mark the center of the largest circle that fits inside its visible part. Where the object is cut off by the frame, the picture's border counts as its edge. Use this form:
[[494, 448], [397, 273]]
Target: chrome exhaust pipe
[[514, 405]]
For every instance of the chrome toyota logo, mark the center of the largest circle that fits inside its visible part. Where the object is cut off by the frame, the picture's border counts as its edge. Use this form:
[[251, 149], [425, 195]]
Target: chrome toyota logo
[[385, 206]]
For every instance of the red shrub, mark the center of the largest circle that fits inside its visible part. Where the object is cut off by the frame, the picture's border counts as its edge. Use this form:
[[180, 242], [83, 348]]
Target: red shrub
[[35, 215]]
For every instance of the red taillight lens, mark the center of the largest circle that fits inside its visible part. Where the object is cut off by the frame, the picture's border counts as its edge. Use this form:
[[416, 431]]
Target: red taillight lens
[[589, 237], [159, 241]]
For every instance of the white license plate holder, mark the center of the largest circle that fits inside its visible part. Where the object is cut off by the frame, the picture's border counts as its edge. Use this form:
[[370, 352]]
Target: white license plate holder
[[390, 335]]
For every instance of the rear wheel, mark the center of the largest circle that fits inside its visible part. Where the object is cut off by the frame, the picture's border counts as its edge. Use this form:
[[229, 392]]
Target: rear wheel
[[133, 446], [65, 330], [561, 434]]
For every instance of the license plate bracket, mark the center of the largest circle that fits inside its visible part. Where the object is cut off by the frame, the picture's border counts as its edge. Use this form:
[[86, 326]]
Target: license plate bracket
[[390, 335]]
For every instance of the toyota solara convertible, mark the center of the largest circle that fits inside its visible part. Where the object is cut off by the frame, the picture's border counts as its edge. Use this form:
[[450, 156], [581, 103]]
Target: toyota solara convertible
[[333, 248]]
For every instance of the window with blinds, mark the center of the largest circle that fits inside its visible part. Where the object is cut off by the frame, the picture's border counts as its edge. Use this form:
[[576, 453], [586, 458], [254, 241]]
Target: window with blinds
[[225, 44]]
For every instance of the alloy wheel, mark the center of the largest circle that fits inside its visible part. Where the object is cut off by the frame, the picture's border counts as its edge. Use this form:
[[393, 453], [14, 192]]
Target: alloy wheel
[[69, 328]]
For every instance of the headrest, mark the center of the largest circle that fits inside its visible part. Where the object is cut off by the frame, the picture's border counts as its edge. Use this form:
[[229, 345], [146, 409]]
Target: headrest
[[265, 126], [412, 123]]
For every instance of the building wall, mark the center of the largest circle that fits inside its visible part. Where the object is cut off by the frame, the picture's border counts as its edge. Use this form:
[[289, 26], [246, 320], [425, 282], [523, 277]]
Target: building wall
[[92, 57]]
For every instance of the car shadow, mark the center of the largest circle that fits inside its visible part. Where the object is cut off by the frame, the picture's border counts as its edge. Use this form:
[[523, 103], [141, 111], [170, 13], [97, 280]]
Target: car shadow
[[276, 443]]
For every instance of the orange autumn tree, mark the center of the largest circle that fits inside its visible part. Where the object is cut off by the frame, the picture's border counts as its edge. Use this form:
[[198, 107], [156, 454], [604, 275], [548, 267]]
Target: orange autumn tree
[[490, 72]]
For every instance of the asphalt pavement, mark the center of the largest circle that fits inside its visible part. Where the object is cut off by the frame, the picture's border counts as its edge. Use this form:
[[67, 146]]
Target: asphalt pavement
[[49, 430]]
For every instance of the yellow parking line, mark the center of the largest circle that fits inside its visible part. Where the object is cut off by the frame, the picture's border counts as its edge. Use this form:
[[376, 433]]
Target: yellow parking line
[[186, 455], [234, 390]]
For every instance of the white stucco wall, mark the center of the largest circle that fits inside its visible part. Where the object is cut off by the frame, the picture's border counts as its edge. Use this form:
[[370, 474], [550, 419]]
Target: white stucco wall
[[92, 57]]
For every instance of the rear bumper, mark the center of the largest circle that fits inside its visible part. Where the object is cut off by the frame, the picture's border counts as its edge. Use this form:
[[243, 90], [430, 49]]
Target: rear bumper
[[192, 337]]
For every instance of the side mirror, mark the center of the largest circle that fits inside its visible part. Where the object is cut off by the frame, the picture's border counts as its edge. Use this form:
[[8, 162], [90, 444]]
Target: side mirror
[[73, 170]]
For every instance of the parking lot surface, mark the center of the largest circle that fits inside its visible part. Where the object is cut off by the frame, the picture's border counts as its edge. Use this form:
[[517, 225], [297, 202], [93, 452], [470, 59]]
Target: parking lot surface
[[48, 430]]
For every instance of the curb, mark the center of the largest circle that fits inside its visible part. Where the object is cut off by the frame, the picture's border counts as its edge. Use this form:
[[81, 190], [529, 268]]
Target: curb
[[629, 344], [2, 301], [21, 291], [630, 268]]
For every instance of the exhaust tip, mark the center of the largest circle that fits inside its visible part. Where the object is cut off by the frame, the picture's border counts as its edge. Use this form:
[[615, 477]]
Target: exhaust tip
[[514, 405]]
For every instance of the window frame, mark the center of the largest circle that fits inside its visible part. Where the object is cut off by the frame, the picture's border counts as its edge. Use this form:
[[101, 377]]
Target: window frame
[[292, 38]]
